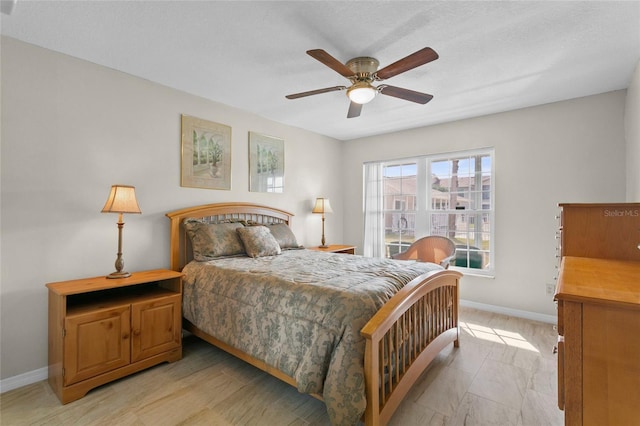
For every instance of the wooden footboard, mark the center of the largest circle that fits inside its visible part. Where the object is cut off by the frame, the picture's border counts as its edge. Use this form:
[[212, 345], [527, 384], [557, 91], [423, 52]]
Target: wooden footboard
[[405, 336]]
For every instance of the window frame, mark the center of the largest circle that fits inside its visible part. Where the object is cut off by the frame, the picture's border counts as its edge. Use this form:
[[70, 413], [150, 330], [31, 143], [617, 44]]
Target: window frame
[[423, 207]]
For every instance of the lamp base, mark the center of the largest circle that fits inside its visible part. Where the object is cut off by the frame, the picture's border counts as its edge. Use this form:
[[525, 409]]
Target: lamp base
[[119, 275], [324, 246]]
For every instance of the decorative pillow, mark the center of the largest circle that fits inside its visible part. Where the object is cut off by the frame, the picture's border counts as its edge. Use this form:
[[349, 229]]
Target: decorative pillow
[[284, 236], [258, 241], [212, 240]]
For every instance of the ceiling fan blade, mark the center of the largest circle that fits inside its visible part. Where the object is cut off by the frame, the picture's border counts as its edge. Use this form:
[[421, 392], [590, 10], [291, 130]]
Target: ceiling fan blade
[[331, 62], [406, 94], [410, 62], [315, 92], [354, 110]]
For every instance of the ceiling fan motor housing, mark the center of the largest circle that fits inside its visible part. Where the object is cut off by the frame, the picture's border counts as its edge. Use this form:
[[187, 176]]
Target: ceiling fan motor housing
[[363, 66], [361, 91]]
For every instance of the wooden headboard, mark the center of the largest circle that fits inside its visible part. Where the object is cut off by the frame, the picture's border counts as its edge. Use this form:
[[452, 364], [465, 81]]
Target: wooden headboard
[[180, 248]]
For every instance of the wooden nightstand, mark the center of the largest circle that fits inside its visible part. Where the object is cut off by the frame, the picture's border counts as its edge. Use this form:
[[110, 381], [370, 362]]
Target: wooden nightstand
[[336, 248], [103, 329]]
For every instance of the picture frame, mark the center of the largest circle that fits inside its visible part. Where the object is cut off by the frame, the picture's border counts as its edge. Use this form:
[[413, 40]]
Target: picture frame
[[206, 154], [266, 163]]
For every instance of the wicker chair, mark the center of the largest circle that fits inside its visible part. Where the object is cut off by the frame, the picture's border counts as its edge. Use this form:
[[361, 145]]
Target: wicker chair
[[433, 248]]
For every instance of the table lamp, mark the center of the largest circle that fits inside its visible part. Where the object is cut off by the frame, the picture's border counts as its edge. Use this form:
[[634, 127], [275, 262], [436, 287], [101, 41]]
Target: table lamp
[[122, 199], [322, 206]]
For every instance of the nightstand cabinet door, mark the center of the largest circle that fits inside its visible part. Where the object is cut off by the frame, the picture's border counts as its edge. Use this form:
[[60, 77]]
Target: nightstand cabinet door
[[96, 342], [155, 326]]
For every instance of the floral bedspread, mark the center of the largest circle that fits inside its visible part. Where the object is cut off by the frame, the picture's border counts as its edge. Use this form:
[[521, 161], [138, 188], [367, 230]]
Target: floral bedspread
[[301, 312]]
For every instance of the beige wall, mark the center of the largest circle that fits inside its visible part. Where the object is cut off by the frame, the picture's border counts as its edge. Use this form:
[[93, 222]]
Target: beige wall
[[572, 151], [71, 129], [632, 133]]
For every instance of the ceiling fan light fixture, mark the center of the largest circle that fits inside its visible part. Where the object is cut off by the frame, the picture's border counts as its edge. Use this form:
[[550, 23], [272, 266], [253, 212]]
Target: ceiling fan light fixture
[[361, 92]]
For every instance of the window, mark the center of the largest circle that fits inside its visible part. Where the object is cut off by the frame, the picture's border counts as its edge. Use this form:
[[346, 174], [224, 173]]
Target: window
[[449, 195]]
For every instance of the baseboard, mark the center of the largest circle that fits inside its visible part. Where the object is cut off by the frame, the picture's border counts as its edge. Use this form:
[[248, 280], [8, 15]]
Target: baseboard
[[534, 316], [24, 379]]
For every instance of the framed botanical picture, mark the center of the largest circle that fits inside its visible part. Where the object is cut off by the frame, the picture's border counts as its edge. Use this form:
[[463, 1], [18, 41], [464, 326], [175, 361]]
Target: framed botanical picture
[[266, 163], [206, 154]]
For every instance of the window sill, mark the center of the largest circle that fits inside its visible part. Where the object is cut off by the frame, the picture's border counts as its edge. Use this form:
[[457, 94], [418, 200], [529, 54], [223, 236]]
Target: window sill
[[474, 273]]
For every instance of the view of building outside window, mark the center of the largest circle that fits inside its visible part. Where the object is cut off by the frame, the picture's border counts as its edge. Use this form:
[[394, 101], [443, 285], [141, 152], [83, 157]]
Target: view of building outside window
[[450, 196]]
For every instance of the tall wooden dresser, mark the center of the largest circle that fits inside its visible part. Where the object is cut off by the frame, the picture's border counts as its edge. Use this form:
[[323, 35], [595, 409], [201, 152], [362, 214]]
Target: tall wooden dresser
[[598, 295]]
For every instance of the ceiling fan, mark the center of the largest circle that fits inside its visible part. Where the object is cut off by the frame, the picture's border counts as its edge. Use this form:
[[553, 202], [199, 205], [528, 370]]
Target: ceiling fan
[[363, 71]]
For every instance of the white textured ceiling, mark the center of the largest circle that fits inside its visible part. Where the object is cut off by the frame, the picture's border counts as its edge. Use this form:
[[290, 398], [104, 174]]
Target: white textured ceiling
[[494, 56]]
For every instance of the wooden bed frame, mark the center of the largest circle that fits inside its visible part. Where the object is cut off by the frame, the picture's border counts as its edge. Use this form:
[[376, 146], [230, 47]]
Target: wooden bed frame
[[421, 319]]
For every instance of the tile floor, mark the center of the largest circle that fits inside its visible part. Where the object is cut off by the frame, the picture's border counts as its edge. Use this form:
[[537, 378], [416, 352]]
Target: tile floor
[[504, 373]]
